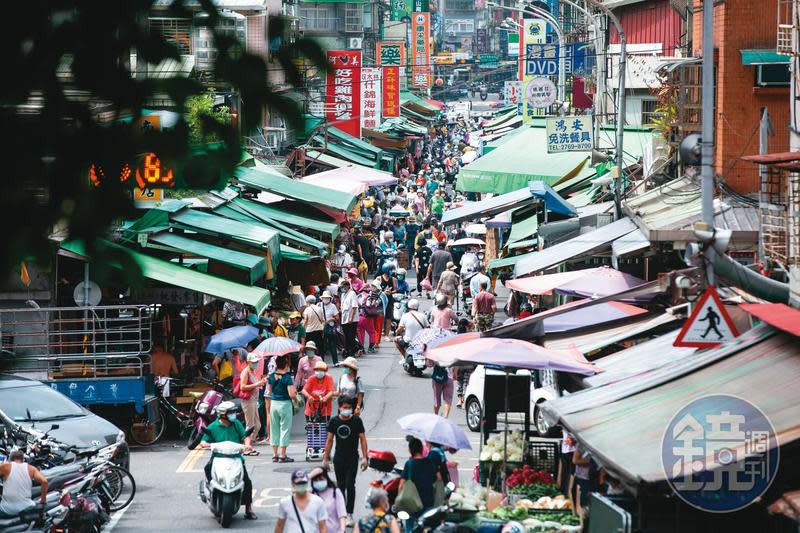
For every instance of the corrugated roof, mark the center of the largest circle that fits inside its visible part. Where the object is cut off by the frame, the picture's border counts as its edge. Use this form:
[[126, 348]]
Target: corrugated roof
[[589, 342]]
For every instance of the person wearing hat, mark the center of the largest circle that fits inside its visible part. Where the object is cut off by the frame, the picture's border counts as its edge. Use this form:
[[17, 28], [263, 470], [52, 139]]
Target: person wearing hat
[[330, 317], [249, 385], [296, 330], [341, 260], [305, 368], [411, 323], [355, 281], [449, 282], [438, 263], [282, 395], [350, 384], [349, 313], [371, 308], [228, 428], [319, 391], [325, 488], [347, 431], [302, 511], [313, 322]]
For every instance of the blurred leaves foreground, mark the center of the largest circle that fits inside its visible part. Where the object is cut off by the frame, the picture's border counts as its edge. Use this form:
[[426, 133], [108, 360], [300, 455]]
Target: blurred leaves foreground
[[55, 126]]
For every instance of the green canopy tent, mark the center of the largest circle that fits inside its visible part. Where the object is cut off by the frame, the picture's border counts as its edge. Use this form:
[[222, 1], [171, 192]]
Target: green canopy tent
[[275, 183]]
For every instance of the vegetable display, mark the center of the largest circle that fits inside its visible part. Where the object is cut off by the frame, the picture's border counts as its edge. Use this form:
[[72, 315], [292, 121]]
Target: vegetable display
[[533, 484], [493, 450]]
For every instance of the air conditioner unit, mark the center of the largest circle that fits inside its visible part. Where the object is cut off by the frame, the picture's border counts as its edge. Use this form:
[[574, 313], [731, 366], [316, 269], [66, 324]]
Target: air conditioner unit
[[354, 43]]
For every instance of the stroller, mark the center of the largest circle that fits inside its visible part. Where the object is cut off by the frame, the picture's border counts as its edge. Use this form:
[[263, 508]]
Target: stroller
[[316, 434]]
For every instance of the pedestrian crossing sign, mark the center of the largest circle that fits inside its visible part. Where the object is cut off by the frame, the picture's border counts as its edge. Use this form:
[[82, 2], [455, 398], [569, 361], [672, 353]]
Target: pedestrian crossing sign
[[709, 324]]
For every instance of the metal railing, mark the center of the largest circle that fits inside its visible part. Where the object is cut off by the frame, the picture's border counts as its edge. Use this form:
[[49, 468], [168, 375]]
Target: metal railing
[[71, 341]]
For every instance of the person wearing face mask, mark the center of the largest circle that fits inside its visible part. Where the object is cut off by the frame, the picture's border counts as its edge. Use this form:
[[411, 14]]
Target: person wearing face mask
[[283, 393], [227, 428], [302, 511], [379, 520], [334, 499], [249, 385], [350, 385], [347, 430], [330, 318], [319, 391], [305, 368]]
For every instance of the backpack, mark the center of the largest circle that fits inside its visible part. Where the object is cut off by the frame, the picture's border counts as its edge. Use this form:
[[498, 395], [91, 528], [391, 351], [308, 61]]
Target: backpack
[[440, 375]]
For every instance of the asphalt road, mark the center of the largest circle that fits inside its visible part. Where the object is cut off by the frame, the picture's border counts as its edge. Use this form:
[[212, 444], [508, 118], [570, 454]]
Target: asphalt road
[[167, 474]]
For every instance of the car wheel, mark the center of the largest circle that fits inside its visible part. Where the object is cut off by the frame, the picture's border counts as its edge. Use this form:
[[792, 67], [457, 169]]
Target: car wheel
[[543, 428], [473, 413]]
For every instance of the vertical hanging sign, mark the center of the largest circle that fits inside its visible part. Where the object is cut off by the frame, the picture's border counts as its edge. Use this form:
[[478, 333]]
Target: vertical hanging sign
[[370, 97], [392, 59], [421, 72], [343, 91]]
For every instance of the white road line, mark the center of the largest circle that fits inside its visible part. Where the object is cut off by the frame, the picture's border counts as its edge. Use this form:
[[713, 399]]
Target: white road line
[[115, 518]]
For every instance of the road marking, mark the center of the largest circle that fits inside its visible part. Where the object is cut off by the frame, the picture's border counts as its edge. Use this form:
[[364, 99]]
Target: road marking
[[189, 462], [115, 518]]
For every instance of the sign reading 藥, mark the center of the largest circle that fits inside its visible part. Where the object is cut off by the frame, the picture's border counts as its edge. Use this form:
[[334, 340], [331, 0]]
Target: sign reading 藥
[[343, 91], [392, 60], [569, 134], [370, 97], [421, 73]]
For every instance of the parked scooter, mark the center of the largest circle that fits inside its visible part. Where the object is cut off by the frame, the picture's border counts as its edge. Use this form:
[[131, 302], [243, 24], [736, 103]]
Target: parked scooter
[[435, 518], [385, 462]]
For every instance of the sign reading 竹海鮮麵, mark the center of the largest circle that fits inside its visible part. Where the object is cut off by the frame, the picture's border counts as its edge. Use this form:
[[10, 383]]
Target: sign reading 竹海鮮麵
[[569, 134]]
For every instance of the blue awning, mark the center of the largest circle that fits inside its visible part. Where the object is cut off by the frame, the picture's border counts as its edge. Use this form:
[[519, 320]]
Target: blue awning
[[768, 56], [552, 200]]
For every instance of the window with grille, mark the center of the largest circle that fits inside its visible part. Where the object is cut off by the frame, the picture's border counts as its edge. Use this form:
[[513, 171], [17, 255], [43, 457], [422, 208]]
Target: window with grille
[[353, 18], [318, 17], [649, 113], [459, 26], [175, 31]]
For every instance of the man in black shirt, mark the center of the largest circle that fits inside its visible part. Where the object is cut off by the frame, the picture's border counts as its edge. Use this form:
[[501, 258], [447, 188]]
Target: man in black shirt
[[362, 246], [438, 263], [422, 258], [348, 432]]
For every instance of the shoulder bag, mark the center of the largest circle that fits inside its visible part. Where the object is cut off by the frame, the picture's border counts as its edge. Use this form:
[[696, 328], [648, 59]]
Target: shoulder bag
[[297, 514], [408, 499]]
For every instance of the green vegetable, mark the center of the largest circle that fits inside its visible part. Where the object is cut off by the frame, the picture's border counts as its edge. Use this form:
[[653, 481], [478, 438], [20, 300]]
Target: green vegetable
[[536, 490], [565, 519]]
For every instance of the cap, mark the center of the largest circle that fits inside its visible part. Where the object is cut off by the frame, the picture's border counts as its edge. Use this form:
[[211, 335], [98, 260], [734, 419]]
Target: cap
[[451, 265], [253, 357], [351, 363], [311, 345], [295, 314], [342, 248], [321, 365], [224, 407], [299, 477]]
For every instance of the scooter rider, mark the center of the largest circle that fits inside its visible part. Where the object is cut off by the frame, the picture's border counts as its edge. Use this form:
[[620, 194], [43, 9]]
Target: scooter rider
[[227, 428], [411, 323], [402, 284]]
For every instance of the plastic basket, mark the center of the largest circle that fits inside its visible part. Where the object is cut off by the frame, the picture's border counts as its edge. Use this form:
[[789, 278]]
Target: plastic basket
[[544, 455]]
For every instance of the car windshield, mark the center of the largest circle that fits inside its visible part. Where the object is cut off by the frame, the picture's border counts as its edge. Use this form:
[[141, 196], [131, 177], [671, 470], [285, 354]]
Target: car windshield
[[37, 404]]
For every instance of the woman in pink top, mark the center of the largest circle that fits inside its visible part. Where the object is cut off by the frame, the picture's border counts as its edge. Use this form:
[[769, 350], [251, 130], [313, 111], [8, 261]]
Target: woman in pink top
[[443, 316]]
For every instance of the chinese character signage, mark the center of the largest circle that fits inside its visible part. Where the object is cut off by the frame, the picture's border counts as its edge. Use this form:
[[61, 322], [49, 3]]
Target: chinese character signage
[[343, 91], [391, 53], [391, 92], [538, 93], [511, 92], [403, 9], [481, 40], [371, 97], [421, 72], [569, 134], [531, 32]]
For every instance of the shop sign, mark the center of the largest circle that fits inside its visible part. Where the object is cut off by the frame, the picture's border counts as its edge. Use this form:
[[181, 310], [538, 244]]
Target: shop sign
[[421, 73], [343, 91], [370, 97], [569, 134]]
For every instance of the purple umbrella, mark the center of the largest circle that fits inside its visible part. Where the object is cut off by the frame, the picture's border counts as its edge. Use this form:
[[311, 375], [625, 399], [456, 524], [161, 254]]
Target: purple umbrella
[[600, 283], [278, 346], [429, 338], [591, 316], [434, 428]]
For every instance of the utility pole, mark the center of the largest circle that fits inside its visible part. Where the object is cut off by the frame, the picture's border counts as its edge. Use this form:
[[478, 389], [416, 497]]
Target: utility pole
[[707, 142]]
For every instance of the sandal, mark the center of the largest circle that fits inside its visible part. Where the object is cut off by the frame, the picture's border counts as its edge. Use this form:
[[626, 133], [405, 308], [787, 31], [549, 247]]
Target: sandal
[[286, 460], [276, 459], [252, 453]]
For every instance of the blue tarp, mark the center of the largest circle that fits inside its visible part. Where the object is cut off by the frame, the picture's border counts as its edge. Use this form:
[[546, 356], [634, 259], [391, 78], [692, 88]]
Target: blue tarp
[[552, 200]]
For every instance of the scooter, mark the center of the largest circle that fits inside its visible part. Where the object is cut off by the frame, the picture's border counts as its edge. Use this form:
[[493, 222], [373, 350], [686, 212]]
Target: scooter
[[435, 519], [400, 308], [484, 92], [387, 260], [414, 363], [223, 492], [204, 410], [385, 462]]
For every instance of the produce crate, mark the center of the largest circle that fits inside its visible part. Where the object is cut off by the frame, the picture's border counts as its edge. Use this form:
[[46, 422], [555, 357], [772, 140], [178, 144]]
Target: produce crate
[[491, 472], [544, 455]]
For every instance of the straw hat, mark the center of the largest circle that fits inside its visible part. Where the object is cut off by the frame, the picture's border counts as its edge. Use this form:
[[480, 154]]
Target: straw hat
[[451, 265], [321, 365], [351, 363], [311, 345], [326, 294]]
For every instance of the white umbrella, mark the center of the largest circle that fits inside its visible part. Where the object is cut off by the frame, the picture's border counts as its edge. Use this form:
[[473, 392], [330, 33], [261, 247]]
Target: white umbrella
[[476, 229], [467, 241]]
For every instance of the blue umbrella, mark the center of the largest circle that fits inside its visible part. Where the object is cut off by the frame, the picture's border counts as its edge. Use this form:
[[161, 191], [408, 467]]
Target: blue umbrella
[[231, 338], [434, 428]]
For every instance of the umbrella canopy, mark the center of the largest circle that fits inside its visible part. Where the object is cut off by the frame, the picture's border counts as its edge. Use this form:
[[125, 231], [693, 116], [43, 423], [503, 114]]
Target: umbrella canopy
[[545, 284], [434, 428], [466, 241], [590, 316], [471, 349], [475, 229], [278, 346], [231, 338], [602, 282], [429, 338]]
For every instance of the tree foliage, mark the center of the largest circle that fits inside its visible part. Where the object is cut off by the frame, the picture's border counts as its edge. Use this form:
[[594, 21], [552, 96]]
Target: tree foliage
[[68, 86], [200, 108]]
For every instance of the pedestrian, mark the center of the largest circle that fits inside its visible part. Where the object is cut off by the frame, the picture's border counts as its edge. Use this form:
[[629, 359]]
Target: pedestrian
[[347, 430], [18, 477], [381, 318], [302, 511], [442, 316], [442, 384], [422, 472], [422, 258], [437, 205], [325, 488], [349, 314], [438, 263], [411, 323], [313, 322], [389, 288], [583, 485], [330, 318], [305, 368], [477, 279], [341, 260], [283, 393], [350, 385], [484, 306], [449, 282], [249, 385], [362, 246], [319, 391], [379, 520], [296, 330], [370, 308]]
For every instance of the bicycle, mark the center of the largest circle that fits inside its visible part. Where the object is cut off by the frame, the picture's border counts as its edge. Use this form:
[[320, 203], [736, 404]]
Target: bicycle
[[145, 431]]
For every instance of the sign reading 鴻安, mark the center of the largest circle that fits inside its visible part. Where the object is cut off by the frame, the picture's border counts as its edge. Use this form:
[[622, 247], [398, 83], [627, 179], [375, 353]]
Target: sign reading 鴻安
[[569, 134]]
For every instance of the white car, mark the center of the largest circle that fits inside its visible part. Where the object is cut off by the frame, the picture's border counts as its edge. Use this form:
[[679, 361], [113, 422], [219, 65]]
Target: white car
[[543, 388]]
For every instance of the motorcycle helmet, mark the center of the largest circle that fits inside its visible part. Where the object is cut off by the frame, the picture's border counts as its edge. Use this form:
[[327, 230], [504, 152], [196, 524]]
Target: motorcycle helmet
[[224, 408], [413, 304], [401, 273]]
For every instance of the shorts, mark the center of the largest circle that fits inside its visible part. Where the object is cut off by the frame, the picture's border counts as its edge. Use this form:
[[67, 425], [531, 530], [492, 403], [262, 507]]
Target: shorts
[[485, 321], [442, 392]]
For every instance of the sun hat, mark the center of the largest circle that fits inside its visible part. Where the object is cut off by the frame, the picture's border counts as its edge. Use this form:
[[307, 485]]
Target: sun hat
[[353, 272], [321, 365], [295, 314], [451, 265], [351, 363], [311, 345], [253, 357], [326, 294]]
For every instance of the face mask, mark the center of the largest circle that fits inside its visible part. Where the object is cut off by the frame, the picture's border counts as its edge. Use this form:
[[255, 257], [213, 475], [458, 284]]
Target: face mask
[[253, 365], [310, 353], [347, 413], [320, 485], [300, 489], [346, 370], [232, 417], [320, 374]]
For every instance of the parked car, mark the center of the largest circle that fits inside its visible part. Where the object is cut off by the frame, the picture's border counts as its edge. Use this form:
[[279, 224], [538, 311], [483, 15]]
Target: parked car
[[31, 404], [543, 388]]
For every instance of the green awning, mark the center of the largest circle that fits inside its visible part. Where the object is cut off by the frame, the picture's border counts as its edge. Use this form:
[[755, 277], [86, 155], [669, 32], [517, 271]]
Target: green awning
[[178, 276], [411, 114], [523, 244], [265, 212], [505, 262], [501, 119], [256, 266], [407, 97], [288, 252], [241, 214], [251, 234], [328, 159], [296, 190], [759, 56], [524, 228], [343, 152]]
